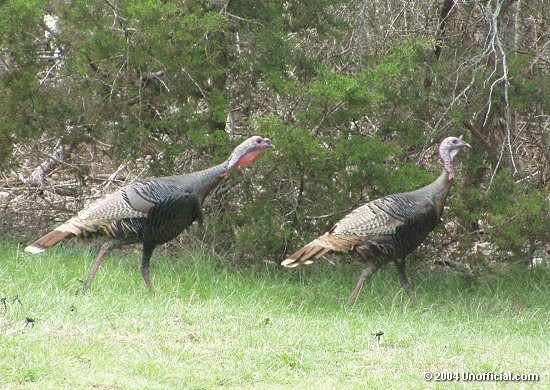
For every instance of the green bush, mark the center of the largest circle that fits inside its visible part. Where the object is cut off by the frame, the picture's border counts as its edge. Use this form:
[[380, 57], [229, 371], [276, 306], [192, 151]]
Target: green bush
[[518, 218], [172, 87]]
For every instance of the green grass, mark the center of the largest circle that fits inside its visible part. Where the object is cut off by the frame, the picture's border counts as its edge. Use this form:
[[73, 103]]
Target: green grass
[[212, 324]]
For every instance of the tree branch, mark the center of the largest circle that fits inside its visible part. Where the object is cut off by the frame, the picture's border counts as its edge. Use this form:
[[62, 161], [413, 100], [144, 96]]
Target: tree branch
[[448, 6]]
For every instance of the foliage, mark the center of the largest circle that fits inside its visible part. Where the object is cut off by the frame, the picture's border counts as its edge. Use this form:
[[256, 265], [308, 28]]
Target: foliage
[[355, 96], [519, 220]]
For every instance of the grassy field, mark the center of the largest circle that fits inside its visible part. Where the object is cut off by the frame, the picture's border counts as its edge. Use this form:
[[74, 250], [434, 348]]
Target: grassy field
[[211, 324]]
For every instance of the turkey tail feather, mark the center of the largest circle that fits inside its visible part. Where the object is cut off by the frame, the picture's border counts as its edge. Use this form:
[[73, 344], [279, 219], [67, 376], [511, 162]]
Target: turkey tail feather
[[47, 241], [306, 255], [341, 243]]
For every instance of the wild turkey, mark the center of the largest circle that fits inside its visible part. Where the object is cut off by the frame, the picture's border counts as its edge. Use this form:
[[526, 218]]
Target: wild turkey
[[151, 211], [389, 228]]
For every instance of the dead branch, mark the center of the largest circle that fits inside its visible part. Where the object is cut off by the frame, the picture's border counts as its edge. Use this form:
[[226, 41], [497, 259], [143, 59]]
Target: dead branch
[[111, 179], [480, 138], [194, 82], [58, 156], [496, 47], [446, 9]]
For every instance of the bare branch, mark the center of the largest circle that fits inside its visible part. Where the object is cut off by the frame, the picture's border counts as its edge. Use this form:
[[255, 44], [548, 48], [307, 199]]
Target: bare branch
[[36, 178], [498, 50], [111, 179], [448, 6], [194, 82]]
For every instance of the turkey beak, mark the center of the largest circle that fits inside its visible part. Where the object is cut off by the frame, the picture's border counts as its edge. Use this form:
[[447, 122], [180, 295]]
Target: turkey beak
[[464, 144], [269, 143]]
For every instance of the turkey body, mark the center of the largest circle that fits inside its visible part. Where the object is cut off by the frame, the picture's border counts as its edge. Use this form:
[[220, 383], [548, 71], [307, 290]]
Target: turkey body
[[153, 210], [387, 229], [150, 211], [390, 227]]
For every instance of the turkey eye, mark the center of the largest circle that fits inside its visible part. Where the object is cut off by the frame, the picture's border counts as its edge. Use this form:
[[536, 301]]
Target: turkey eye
[[259, 141]]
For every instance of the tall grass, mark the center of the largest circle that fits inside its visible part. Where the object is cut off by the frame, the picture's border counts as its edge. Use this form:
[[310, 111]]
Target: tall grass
[[211, 324]]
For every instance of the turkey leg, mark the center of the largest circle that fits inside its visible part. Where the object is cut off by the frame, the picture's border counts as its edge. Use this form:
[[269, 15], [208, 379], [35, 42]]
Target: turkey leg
[[365, 275], [106, 248], [145, 257], [404, 279]]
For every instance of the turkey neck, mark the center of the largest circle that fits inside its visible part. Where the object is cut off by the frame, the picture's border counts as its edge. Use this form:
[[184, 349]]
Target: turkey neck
[[202, 182], [439, 189], [436, 192]]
